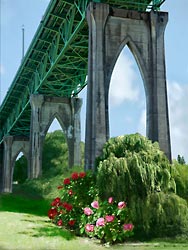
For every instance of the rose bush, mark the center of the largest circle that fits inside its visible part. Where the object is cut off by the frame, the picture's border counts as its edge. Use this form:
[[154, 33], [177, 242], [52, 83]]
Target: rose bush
[[107, 220], [79, 209], [75, 193]]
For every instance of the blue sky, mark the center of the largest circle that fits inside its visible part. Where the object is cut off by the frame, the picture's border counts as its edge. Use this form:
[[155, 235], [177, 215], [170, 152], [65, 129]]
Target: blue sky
[[127, 98]]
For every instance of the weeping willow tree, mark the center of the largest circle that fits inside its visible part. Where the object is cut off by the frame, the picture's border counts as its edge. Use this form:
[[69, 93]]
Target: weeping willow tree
[[133, 168]]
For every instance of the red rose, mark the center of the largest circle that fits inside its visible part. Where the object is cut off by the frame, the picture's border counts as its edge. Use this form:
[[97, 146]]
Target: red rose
[[56, 202], [72, 222], [66, 181], [82, 174], [69, 207], [52, 213], [75, 176], [60, 223]]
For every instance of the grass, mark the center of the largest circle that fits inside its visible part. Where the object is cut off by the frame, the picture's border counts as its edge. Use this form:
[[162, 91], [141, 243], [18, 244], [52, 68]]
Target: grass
[[21, 231], [24, 226]]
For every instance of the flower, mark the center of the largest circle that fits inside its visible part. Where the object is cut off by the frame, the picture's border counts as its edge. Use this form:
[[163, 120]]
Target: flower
[[67, 206], [82, 174], [89, 228], [109, 218], [75, 176], [95, 204], [52, 213], [60, 223], [121, 204], [56, 202], [71, 222], [128, 227], [110, 200], [88, 211], [100, 222], [66, 181], [70, 192]]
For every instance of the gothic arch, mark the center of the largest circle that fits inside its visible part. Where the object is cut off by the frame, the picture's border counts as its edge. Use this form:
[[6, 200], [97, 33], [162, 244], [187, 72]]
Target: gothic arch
[[51, 119]]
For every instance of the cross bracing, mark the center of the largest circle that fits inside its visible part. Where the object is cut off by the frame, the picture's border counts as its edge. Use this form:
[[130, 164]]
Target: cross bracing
[[56, 61]]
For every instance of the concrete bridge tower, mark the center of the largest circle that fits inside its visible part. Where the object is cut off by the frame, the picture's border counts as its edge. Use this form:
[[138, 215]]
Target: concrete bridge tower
[[110, 29]]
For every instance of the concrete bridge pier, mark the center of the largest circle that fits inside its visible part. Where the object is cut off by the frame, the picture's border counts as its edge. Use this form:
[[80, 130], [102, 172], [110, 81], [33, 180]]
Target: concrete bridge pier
[[44, 110], [110, 29], [12, 147]]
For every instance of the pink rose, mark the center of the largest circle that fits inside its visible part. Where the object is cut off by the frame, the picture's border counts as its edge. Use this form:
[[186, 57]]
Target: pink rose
[[89, 228], [100, 222], [128, 227], [121, 204], [95, 204], [110, 200], [88, 211], [109, 218]]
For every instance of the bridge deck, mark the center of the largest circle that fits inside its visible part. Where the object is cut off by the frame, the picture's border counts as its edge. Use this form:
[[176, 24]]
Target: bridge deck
[[56, 61]]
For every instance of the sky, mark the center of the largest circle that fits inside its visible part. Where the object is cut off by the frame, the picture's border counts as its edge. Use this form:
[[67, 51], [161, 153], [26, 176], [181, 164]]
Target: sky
[[127, 97]]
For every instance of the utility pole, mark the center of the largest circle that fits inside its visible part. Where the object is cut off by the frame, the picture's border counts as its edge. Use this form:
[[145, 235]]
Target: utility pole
[[23, 41]]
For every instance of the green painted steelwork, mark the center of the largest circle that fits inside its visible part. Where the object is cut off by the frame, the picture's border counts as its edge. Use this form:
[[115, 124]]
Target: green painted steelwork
[[56, 61]]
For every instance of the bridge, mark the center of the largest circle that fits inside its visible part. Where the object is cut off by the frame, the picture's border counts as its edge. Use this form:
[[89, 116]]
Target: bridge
[[72, 48]]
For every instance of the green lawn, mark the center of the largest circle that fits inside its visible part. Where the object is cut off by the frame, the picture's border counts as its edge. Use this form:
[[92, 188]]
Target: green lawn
[[24, 226]]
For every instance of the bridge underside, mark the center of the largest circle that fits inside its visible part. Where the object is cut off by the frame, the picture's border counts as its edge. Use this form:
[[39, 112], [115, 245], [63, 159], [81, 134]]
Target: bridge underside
[[69, 52]]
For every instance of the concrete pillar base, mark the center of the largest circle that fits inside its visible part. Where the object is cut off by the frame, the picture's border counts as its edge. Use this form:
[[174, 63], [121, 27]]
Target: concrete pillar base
[[13, 145]]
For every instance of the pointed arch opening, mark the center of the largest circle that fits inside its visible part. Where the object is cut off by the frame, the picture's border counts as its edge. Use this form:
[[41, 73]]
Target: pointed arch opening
[[20, 169], [55, 149], [127, 101]]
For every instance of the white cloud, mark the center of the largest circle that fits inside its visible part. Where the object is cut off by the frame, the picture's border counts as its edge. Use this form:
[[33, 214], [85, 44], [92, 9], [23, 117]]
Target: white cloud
[[122, 82], [178, 109], [178, 116]]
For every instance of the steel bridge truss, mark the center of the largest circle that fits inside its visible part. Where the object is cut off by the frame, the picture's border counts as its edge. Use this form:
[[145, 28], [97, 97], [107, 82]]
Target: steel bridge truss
[[56, 61]]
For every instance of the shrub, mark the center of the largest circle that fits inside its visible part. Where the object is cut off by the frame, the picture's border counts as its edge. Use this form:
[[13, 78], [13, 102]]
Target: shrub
[[75, 193], [132, 165], [77, 208], [108, 221], [132, 168], [180, 174]]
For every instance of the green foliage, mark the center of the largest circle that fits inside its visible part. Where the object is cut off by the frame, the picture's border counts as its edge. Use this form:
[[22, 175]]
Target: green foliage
[[159, 215], [180, 174], [133, 168], [55, 153], [132, 164]]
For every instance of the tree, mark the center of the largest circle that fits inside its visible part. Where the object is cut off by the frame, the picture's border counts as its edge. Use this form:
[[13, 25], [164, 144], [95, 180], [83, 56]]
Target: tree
[[181, 160], [131, 167]]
